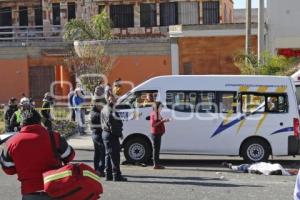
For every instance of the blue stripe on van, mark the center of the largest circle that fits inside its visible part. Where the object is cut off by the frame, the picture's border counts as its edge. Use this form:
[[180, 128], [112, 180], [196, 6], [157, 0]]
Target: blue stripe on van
[[287, 129], [223, 127]]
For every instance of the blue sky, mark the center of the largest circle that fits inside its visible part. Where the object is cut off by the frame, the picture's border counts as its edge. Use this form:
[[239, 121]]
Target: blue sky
[[242, 3]]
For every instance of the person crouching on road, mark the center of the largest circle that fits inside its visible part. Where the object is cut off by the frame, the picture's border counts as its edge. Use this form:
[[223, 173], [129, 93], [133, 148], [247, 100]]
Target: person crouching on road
[[46, 110], [157, 130], [99, 149], [29, 154], [112, 130], [78, 101], [12, 108]]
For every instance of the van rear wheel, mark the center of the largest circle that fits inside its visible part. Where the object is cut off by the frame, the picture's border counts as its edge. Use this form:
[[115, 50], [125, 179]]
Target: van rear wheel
[[137, 150], [255, 150]]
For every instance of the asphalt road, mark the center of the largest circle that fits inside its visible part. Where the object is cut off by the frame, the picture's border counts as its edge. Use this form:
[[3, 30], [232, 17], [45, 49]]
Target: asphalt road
[[185, 178]]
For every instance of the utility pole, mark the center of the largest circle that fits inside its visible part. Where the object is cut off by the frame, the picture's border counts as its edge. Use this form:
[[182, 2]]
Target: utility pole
[[248, 27], [261, 30]]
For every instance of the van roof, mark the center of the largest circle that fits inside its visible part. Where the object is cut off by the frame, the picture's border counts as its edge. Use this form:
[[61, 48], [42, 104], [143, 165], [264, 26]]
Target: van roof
[[211, 81]]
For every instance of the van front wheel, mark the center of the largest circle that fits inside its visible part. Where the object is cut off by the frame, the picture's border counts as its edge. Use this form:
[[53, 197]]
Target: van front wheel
[[255, 150], [137, 150]]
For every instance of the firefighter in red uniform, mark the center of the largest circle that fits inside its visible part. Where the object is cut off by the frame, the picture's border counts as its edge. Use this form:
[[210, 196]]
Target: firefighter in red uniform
[[29, 154]]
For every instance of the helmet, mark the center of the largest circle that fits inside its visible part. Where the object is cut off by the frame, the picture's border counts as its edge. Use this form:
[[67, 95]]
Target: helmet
[[24, 101], [48, 97]]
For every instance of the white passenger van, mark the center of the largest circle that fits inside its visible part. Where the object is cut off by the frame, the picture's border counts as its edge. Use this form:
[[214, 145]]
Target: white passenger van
[[248, 116], [296, 78]]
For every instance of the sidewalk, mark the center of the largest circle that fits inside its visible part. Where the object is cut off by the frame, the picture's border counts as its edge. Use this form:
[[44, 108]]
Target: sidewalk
[[81, 142]]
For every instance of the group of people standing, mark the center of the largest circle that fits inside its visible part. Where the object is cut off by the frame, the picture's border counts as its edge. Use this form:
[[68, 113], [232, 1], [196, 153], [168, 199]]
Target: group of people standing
[[106, 128], [13, 117], [29, 153], [78, 104]]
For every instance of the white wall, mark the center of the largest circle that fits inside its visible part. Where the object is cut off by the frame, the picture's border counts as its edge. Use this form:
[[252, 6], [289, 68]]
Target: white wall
[[283, 19]]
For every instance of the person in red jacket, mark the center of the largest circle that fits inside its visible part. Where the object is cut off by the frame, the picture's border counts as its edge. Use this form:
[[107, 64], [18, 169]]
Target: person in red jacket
[[157, 130], [29, 154]]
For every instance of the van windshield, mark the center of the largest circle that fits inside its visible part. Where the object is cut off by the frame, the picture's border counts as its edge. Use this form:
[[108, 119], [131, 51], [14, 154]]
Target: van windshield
[[140, 99]]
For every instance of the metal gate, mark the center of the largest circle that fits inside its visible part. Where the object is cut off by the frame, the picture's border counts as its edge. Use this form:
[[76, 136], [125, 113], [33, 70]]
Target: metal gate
[[40, 79]]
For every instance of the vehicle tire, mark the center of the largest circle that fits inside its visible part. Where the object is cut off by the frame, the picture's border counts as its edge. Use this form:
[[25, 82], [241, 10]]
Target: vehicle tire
[[137, 150], [255, 150]]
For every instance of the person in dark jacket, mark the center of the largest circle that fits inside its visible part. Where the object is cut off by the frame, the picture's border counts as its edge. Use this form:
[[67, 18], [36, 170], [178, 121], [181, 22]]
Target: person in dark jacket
[[71, 106], [15, 121], [29, 154], [99, 149], [12, 108], [46, 110], [112, 130]]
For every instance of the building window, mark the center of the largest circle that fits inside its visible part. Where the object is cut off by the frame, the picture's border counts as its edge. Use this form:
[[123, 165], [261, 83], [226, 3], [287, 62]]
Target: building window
[[71, 10], [23, 16], [168, 14], [56, 13], [5, 20], [148, 15], [101, 8], [38, 15], [122, 16], [211, 12], [188, 12]]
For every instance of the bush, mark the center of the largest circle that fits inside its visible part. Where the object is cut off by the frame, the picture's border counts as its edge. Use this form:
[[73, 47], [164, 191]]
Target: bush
[[271, 64], [64, 127]]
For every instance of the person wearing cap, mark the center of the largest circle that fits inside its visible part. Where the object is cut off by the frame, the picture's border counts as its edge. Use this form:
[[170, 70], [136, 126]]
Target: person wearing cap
[[117, 87], [29, 154], [112, 127], [15, 121], [46, 110], [99, 92], [78, 102], [99, 149], [157, 130], [12, 108]]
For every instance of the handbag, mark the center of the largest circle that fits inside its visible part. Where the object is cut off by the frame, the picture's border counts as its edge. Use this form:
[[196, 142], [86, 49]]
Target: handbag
[[71, 181]]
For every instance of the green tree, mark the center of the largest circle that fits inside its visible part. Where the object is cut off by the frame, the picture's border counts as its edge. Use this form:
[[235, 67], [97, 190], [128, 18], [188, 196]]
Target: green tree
[[271, 64], [98, 28], [90, 58]]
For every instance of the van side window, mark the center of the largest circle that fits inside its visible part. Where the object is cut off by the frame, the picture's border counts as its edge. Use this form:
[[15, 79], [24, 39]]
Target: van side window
[[227, 102], [277, 104], [253, 103], [266, 102], [182, 101], [207, 102], [140, 99]]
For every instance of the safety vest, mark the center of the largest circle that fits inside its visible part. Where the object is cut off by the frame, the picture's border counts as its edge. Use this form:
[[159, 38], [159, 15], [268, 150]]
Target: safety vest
[[18, 116]]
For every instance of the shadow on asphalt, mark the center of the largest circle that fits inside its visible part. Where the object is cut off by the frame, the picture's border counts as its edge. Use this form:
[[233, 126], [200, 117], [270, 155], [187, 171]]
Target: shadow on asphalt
[[295, 164], [218, 163], [204, 163], [193, 181]]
